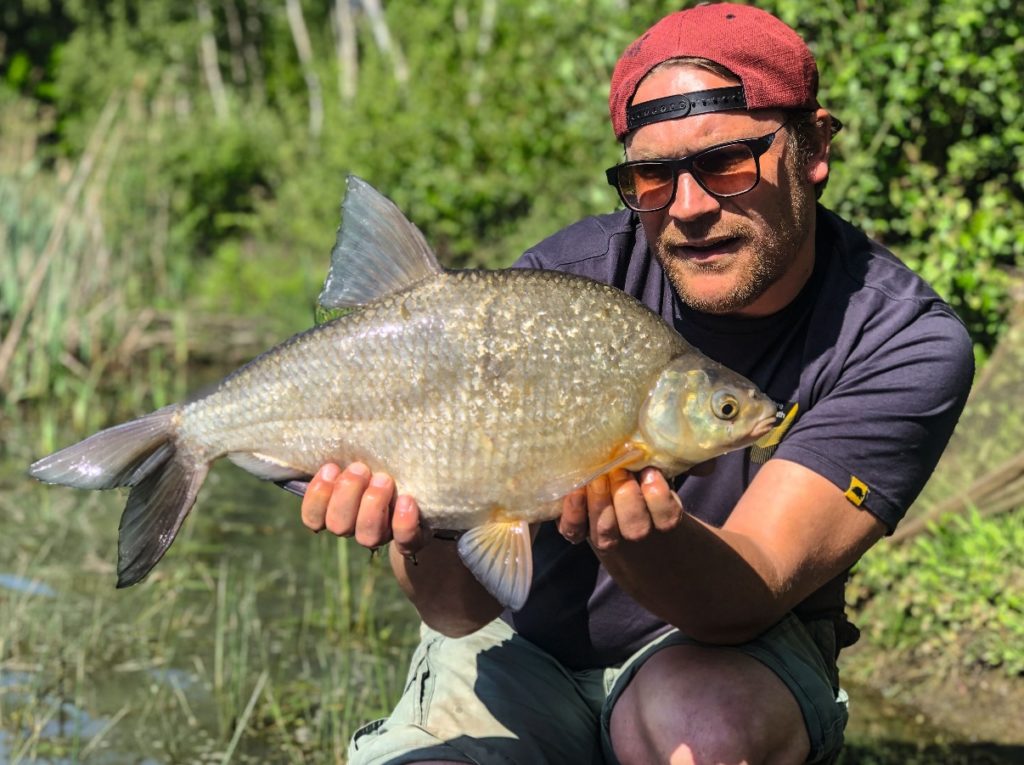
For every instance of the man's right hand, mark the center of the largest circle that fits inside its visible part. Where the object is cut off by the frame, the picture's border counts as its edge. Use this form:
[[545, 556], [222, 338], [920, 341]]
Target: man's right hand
[[357, 503]]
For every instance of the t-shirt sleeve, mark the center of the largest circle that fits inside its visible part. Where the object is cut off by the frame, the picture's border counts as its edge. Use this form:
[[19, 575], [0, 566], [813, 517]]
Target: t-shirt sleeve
[[530, 259], [879, 432]]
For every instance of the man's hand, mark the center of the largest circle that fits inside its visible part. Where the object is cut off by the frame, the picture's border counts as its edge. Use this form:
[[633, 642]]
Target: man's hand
[[622, 505], [357, 503]]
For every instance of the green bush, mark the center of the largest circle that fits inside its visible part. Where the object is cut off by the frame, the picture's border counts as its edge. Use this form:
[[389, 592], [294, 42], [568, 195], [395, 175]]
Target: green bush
[[953, 598], [931, 163]]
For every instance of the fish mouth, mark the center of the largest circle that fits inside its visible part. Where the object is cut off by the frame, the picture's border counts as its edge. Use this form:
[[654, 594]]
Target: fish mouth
[[763, 427]]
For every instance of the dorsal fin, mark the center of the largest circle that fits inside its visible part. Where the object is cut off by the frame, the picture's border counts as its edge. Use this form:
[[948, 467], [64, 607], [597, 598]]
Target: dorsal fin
[[378, 252]]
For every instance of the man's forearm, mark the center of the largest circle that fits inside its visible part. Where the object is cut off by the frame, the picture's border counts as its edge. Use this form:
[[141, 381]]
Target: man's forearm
[[712, 585], [447, 596]]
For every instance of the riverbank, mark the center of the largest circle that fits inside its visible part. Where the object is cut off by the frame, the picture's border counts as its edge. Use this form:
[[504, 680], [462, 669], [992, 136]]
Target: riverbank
[[942, 619], [976, 706]]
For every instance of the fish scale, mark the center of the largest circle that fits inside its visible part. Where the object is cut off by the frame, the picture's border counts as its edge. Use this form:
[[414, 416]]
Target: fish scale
[[487, 395]]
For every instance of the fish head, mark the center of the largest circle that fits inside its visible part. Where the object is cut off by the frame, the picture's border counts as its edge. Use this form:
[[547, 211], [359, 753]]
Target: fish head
[[698, 409]]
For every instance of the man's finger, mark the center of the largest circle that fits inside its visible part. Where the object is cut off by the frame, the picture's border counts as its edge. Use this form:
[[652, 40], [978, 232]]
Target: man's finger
[[631, 513], [373, 523], [604, 530], [408, 535], [573, 523], [343, 506], [663, 504], [317, 496]]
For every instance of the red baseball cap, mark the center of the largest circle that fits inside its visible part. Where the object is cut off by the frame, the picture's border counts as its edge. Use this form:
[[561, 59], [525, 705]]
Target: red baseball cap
[[773, 63]]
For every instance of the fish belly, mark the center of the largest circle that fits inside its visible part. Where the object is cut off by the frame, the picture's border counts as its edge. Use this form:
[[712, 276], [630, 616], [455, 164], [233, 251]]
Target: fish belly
[[483, 393]]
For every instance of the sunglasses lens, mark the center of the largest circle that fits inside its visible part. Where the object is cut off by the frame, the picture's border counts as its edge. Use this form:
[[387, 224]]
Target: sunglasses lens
[[728, 170], [646, 185], [724, 171]]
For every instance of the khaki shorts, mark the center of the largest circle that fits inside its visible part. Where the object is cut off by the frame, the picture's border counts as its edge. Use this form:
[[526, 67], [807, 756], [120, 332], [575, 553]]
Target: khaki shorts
[[495, 698]]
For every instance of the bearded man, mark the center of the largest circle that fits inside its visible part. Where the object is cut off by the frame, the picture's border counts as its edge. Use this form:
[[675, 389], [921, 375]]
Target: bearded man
[[697, 621]]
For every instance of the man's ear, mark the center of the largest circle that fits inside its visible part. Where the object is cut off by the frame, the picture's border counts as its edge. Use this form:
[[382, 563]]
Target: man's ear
[[817, 162]]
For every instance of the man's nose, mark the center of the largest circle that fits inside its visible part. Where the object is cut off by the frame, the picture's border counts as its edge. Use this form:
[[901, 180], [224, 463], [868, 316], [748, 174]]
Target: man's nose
[[691, 200]]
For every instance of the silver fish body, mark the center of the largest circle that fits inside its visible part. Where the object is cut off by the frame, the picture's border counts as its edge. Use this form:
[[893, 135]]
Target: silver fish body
[[473, 390], [488, 395]]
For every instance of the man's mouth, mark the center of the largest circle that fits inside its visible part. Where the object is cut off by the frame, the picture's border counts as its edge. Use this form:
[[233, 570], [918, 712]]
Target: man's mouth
[[704, 249]]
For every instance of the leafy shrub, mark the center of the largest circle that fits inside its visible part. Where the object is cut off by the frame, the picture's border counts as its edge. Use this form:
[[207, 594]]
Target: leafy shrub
[[953, 598]]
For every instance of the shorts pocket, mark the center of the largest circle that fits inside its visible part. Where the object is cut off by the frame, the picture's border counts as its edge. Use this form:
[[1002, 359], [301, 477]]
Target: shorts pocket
[[360, 737]]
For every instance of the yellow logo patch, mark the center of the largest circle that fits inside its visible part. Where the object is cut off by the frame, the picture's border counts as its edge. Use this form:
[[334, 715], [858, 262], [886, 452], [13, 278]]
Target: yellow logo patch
[[858, 491]]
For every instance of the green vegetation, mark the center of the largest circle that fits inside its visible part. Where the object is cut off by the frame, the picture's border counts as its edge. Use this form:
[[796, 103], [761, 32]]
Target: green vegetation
[[254, 642], [953, 599], [170, 180], [192, 155]]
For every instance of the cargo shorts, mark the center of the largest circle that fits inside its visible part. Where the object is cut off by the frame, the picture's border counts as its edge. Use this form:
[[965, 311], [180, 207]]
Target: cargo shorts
[[494, 698]]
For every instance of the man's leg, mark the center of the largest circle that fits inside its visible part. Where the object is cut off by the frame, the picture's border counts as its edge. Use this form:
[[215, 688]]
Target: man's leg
[[490, 697], [690, 704], [773, 701]]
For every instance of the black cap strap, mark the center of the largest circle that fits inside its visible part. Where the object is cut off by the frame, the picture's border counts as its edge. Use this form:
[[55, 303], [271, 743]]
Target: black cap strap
[[674, 107]]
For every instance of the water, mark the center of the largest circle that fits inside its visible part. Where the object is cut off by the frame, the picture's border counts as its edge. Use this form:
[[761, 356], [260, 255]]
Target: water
[[253, 641]]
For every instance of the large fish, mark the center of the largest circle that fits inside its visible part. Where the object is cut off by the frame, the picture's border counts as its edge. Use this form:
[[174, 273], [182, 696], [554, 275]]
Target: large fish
[[488, 395]]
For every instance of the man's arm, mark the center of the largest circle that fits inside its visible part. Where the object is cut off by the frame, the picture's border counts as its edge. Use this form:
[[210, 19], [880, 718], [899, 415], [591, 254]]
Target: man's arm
[[791, 532], [354, 503]]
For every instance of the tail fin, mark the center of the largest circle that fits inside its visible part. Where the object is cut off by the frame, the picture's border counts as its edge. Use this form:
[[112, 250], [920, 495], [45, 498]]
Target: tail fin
[[118, 456], [141, 454], [157, 506]]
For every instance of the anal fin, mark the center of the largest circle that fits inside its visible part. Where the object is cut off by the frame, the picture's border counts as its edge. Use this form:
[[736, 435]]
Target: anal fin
[[500, 556], [266, 467]]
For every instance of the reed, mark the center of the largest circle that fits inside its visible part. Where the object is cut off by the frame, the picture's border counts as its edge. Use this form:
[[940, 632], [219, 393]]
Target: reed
[[89, 304]]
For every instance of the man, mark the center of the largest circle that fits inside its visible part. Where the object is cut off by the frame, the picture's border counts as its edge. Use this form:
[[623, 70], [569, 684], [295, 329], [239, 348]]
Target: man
[[701, 621]]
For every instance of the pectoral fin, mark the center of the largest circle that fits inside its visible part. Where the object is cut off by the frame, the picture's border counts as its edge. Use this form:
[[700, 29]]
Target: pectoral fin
[[559, 486], [500, 557]]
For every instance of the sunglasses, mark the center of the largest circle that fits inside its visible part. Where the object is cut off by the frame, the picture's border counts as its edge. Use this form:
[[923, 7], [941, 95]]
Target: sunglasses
[[726, 170]]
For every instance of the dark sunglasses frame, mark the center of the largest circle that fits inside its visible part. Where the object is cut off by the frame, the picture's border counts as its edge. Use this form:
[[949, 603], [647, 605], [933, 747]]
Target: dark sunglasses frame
[[757, 147]]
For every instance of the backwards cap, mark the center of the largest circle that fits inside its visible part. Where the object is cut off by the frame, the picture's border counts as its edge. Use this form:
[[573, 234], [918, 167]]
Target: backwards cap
[[774, 64]]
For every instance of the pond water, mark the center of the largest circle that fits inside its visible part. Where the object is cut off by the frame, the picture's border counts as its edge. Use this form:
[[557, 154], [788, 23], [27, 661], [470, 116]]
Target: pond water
[[253, 641]]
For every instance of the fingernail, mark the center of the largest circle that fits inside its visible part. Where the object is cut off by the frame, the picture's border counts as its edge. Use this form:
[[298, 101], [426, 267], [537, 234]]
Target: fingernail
[[358, 469], [572, 537], [650, 475], [380, 480], [329, 472]]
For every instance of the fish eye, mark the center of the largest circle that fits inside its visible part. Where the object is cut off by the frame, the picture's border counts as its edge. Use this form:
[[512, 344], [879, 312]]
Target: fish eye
[[725, 406]]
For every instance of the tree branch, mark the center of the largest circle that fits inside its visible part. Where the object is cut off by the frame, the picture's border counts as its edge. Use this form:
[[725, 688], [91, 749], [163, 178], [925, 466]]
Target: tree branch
[[300, 34]]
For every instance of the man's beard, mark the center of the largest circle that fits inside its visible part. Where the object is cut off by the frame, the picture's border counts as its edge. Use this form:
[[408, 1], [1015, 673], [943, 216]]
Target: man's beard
[[771, 246]]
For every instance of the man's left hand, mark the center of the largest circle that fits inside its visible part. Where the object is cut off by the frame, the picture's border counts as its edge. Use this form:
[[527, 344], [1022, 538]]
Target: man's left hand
[[620, 505]]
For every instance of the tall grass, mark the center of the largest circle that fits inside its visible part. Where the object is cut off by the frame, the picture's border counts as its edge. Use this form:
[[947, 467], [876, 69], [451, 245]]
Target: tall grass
[[72, 307], [253, 640], [87, 310]]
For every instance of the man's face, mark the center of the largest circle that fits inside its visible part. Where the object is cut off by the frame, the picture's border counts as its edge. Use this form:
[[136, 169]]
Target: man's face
[[748, 254]]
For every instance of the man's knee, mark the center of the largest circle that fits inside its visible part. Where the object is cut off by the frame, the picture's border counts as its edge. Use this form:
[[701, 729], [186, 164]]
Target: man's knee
[[690, 704]]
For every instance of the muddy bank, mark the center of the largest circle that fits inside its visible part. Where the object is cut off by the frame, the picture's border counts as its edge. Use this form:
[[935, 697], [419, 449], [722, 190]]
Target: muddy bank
[[941, 704]]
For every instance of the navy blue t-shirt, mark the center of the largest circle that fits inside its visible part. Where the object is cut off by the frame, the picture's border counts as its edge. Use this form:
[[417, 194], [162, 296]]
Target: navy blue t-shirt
[[878, 365]]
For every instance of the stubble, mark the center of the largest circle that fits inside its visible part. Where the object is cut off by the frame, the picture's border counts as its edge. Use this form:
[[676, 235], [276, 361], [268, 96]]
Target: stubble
[[769, 246]]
